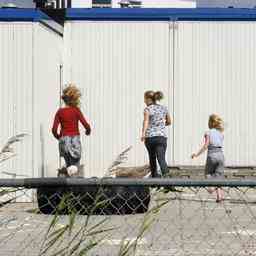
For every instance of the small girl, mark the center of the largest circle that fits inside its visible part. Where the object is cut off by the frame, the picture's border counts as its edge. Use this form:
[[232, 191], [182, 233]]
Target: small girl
[[68, 118], [215, 158], [154, 135]]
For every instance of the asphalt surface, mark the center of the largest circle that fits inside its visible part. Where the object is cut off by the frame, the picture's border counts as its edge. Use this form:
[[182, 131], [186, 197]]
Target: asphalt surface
[[191, 223]]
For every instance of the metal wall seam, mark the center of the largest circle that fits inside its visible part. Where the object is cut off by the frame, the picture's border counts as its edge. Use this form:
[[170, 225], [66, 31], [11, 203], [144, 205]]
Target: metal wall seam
[[16, 90], [33, 103], [114, 63], [217, 59], [47, 74], [173, 31]]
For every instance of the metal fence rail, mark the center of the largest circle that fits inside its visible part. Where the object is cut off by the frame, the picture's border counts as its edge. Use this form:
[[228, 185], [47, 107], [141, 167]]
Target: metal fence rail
[[139, 217], [47, 182]]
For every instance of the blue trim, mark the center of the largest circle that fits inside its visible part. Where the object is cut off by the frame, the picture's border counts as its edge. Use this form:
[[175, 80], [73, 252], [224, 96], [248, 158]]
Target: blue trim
[[30, 15], [161, 14], [8, 14]]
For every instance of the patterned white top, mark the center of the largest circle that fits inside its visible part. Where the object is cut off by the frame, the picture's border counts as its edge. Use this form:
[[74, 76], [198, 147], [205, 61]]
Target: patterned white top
[[157, 120]]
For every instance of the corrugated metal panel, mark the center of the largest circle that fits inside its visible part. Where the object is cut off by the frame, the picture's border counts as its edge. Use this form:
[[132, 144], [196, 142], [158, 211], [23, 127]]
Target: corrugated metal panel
[[29, 72], [114, 63], [16, 93], [215, 73], [48, 58]]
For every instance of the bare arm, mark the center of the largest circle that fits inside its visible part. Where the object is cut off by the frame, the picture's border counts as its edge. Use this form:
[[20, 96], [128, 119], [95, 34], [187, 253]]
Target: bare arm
[[168, 120], [84, 122], [56, 126], [203, 149], [145, 125]]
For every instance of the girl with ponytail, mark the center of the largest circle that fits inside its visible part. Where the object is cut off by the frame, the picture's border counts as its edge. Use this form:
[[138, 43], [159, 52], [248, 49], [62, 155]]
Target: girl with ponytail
[[154, 135]]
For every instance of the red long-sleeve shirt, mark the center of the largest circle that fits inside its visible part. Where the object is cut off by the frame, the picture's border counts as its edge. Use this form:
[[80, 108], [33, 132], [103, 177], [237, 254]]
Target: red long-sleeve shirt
[[68, 118]]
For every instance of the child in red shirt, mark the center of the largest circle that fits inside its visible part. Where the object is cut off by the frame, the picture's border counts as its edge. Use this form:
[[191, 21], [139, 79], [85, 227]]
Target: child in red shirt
[[68, 119]]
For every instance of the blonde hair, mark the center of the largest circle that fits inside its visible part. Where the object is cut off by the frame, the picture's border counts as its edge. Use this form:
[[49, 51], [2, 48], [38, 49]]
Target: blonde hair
[[71, 95], [216, 122], [154, 96]]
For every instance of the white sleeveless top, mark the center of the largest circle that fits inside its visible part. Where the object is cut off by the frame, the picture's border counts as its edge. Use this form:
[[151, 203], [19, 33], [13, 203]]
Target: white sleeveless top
[[216, 138]]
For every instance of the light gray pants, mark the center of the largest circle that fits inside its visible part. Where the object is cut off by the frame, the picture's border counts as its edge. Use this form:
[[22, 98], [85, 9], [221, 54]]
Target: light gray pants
[[215, 163]]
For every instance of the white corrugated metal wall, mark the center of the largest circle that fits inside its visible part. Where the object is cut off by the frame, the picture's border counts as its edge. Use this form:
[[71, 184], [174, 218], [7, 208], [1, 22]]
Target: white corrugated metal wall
[[215, 73], [16, 60], [114, 63], [30, 58], [48, 50], [213, 63]]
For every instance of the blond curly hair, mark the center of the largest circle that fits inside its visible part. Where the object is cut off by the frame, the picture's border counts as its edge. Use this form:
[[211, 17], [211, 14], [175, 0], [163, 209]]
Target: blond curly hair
[[215, 121], [71, 95]]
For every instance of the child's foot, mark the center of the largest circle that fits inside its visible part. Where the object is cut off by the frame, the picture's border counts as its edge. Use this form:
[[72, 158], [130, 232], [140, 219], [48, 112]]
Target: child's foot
[[220, 198], [211, 190], [220, 195]]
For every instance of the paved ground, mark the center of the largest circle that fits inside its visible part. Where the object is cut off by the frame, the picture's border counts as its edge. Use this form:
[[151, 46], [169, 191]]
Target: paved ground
[[192, 223]]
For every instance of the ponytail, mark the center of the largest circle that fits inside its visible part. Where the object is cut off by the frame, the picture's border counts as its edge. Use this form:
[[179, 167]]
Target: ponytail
[[154, 96], [158, 96]]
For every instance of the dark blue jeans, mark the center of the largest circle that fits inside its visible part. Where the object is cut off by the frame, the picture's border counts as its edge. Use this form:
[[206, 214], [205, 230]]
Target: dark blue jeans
[[156, 147]]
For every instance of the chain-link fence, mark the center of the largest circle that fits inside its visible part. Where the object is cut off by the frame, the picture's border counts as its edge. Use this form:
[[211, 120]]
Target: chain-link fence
[[139, 217]]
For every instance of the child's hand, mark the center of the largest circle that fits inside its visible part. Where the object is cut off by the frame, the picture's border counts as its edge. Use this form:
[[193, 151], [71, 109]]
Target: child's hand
[[193, 156], [88, 132], [142, 138]]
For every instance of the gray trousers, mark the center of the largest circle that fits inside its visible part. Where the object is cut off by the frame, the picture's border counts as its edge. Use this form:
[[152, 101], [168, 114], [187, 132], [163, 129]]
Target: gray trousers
[[70, 149], [215, 163]]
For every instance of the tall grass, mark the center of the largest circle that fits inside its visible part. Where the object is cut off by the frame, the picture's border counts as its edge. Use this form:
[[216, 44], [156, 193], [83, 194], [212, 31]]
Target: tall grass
[[71, 240]]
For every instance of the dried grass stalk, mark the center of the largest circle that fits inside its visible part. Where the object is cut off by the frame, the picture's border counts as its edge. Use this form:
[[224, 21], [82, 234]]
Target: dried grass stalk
[[7, 151], [132, 172]]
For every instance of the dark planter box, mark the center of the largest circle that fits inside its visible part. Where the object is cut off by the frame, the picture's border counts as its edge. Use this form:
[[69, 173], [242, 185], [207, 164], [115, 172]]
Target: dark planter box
[[94, 200]]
